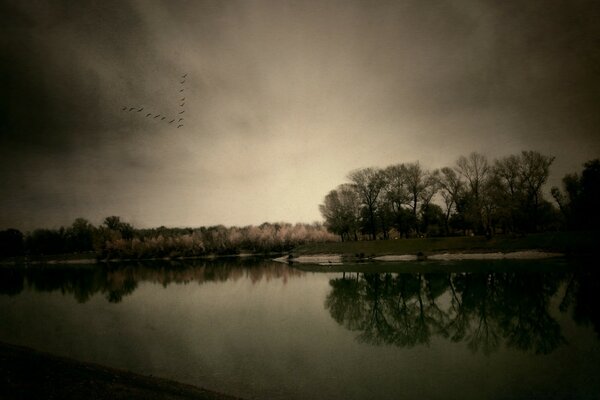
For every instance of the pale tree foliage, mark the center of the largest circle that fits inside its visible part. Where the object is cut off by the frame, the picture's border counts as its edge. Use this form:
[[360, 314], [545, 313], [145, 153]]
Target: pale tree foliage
[[341, 211], [368, 183]]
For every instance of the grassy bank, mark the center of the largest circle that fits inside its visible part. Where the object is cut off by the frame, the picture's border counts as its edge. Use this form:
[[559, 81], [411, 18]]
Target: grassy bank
[[29, 374], [570, 243]]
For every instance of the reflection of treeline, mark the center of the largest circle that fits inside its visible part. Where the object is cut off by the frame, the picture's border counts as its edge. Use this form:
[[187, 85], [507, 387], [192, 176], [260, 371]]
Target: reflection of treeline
[[115, 282], [481, 309], [117, 239], [475, 195]]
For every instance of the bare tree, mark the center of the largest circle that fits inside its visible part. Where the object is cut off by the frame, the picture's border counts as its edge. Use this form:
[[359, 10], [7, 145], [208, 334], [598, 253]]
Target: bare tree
[[368, 183], [451, 187], [475, 169]]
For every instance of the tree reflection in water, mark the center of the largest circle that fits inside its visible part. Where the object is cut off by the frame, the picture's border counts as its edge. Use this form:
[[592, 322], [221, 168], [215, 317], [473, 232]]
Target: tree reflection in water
[[483, 310], [116, 281]]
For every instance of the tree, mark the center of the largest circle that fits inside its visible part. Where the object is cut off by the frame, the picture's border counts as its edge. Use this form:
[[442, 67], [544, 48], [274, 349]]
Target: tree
[[507, 180], [368, 184], [79, 236], [397, 197], [11, 243], [475, 169], [341, 211], [114, 223], [451, 188], [516, 185], [579, 202], [535, 168]]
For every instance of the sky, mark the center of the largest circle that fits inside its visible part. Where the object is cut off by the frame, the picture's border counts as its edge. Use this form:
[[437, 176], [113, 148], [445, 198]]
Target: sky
[[282, 100]]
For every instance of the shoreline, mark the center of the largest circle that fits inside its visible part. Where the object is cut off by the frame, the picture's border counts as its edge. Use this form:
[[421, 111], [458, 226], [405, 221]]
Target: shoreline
[[29, 373], [339, 259]]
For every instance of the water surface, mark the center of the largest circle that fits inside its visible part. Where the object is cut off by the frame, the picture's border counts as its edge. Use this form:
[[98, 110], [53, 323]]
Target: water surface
[[259, 329]]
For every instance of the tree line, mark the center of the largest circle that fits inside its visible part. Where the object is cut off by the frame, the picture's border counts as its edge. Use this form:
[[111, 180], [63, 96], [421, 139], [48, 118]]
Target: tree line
[[475, 196], [115, 238]]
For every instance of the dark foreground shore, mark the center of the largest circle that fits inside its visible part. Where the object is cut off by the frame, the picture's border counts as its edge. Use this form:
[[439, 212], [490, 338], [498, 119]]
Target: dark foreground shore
[[30, 374]]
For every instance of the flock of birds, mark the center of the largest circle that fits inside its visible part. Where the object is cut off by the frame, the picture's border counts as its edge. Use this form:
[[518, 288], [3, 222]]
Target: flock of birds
[[176, 120]]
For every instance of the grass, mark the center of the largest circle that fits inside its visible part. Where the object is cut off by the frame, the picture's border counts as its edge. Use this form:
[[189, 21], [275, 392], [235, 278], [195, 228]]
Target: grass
[[570, 243]]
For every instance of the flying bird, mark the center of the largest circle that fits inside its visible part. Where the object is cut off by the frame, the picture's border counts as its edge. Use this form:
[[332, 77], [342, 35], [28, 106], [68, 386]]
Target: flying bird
[[163, 118], [171, 121], [156, 116], [181, 105], [149, 114], [181, 112], [182, 99], [180, 119], [140, 109], [132, 108], [179, 126], [182, 82], [181, 90], [184, 75], [124, 108]]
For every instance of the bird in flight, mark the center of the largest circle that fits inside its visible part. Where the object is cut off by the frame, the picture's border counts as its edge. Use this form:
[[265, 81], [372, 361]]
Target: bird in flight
[[140, 109], [156, 116], [163, 118], [171, 121], [180, 119], [181, 90], [181, 105], [149, 114], [124, 108], [181, 112], [132, 108], [184, 75], [179, 126], [182, 99]]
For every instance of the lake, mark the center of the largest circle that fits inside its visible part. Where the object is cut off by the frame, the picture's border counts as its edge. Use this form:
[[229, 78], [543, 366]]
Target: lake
[[260, 329]]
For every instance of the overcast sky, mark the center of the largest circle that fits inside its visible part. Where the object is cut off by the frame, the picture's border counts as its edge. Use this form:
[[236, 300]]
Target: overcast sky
[[283, 99]]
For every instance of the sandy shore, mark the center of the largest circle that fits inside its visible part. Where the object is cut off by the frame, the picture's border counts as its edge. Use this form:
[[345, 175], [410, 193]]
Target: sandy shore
[[29, 374]]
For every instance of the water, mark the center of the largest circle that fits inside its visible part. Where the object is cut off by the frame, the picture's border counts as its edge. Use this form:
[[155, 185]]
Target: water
[[259, 329]]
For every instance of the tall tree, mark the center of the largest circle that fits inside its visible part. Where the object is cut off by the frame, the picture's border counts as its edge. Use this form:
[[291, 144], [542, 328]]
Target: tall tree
[[581, 196], [341, 210], [368, 183], [535, 168], [451, 188], [475, 169]]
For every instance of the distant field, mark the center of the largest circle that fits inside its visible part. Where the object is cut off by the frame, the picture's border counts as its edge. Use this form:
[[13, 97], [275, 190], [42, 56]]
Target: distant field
[[564, 242]]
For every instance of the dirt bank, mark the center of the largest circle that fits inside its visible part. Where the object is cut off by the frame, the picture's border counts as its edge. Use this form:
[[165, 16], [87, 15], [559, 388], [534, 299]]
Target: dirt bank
[[30, 374]]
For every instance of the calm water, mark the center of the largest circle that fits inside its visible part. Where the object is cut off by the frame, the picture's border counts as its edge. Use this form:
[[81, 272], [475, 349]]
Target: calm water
[[260, 329]]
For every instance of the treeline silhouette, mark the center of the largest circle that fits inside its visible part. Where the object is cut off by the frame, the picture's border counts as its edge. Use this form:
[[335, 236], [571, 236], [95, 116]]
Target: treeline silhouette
[[475, 196], [483, 310], [117, 239], [116, 282]]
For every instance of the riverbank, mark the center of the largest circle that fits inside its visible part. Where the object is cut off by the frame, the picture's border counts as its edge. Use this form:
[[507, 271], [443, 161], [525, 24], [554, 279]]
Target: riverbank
[[567, 243], [540, 245], [30, 374]]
